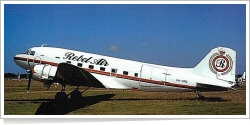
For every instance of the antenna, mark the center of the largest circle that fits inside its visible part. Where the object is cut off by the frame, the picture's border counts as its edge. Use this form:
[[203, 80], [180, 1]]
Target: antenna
[[44, 44]]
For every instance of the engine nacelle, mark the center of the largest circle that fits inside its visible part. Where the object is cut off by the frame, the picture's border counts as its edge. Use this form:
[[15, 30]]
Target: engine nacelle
[[44, 72]]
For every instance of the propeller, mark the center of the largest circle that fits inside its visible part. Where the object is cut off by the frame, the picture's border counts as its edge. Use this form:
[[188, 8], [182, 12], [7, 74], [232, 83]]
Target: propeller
[[30, 77]]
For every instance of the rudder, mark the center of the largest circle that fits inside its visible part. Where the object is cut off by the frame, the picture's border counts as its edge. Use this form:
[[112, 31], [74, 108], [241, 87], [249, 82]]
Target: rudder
[[219, 63]]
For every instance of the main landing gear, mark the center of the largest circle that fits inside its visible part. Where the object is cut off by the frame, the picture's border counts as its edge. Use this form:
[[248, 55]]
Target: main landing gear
[[62, 97], [199, 94]]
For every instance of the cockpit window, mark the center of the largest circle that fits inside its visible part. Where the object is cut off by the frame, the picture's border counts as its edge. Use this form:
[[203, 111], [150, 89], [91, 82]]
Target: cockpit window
[[32, 53], [29, 52]]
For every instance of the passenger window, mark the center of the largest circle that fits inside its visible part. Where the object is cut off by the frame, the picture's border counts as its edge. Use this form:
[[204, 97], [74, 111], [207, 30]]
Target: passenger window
[[125, 72], [102, 68], [91, 66], [136, 74], [79, 64], [113, 70]]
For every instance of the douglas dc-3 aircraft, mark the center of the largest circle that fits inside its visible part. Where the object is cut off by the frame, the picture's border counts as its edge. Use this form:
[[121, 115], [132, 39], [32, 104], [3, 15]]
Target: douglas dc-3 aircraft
[[216, 72]]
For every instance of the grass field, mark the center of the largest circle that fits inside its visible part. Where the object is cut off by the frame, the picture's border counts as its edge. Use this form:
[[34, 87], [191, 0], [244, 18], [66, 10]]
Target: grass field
[[118, 102]]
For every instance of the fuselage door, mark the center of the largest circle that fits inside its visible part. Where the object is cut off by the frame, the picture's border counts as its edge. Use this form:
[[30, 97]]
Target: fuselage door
[[152, 76]]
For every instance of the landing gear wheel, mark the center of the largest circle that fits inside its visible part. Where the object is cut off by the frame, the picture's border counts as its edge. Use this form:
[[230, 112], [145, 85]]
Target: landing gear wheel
[[201, 97], [199, 94], [61, 97], [61, 104], [76, 94]]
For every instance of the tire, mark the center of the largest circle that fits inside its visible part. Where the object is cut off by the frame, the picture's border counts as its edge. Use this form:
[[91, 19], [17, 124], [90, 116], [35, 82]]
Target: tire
[[61, 97]]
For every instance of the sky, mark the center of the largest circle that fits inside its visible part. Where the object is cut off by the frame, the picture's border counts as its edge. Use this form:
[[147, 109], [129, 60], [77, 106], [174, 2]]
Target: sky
[[178, 35]]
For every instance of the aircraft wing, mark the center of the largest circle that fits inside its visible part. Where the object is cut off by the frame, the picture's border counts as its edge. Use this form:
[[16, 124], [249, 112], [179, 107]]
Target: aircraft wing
[[68, 74]]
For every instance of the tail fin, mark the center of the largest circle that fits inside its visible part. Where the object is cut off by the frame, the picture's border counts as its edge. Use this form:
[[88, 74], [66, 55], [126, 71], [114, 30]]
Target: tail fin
[[219, 63]]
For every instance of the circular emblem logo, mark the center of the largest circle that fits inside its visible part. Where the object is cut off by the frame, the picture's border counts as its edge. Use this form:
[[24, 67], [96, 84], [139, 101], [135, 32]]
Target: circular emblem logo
[[220, 63]]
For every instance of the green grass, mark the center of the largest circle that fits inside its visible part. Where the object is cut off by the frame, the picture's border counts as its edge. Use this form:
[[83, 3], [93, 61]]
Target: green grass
[[118, 102]]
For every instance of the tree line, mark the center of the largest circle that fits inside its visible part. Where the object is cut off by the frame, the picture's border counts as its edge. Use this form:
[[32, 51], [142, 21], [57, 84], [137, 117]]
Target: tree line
[[15, 76]]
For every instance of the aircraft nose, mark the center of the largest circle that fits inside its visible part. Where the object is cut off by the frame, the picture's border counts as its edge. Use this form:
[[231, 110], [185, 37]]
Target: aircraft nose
[[17, 59], [21, 61]]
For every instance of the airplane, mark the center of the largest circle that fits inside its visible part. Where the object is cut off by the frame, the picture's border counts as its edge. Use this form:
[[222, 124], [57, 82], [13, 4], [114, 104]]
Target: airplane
[[215, 72], [241, 80]]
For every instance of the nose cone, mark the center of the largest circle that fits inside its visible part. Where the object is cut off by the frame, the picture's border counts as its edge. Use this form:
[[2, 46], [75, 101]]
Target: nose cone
[[21, 60], [16, 59]]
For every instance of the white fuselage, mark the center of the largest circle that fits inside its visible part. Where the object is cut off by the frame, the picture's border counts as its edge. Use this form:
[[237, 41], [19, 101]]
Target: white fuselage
[[119, 73]]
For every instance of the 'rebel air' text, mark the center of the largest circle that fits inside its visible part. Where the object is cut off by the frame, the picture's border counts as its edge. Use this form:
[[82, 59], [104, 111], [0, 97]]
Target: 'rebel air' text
[[91, 60]]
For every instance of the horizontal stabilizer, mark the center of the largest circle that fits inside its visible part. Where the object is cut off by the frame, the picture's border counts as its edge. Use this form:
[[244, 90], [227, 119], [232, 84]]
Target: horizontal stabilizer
[[206, 87]]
